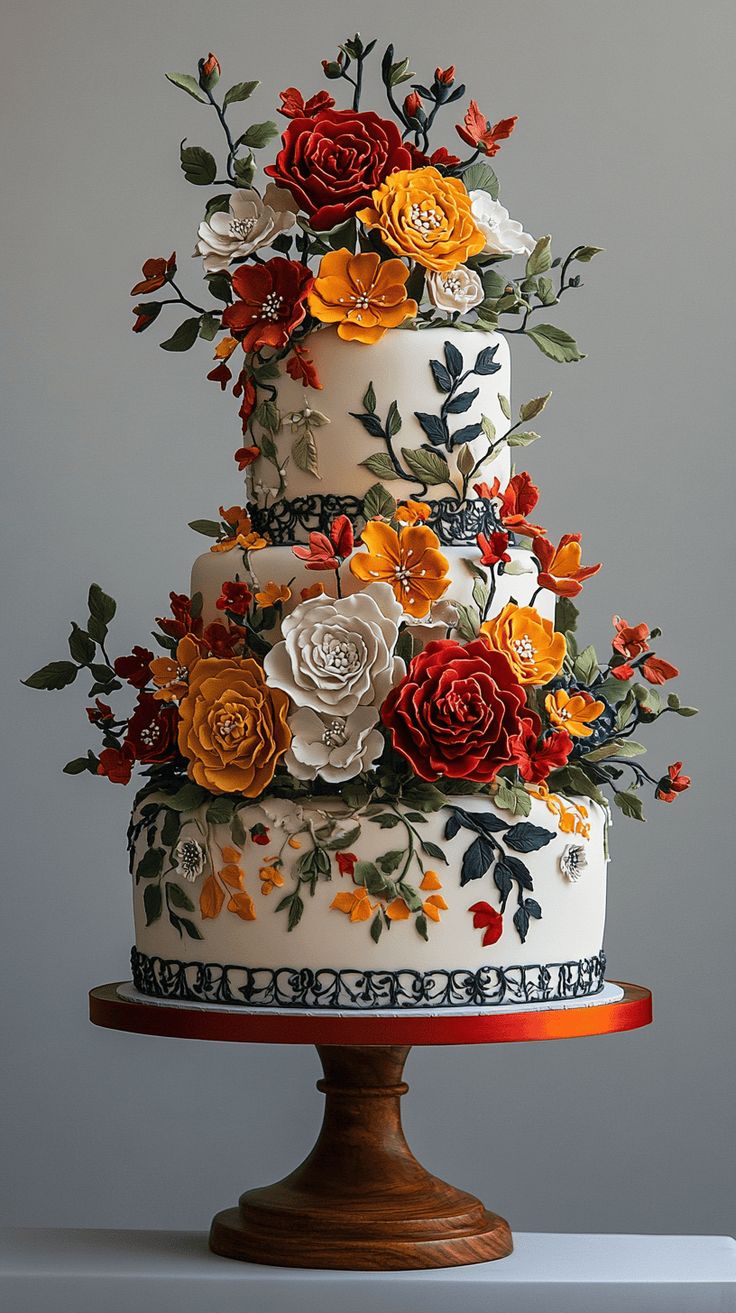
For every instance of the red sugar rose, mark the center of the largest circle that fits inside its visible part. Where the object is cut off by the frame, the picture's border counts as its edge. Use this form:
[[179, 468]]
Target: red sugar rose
[[332, 162], [456, 712], [152, 730]]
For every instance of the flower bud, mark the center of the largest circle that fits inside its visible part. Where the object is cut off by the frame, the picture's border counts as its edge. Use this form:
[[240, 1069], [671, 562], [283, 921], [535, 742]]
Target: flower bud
[[412, 104], [445, 76], [333, 67], [209, 72]]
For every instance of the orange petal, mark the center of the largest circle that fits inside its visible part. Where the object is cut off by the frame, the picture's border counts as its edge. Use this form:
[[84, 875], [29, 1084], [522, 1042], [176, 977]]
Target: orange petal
[[243, 906], [211, 898], [232, 875], [343, 902], [230, 855], [431, 881], [397, 910]]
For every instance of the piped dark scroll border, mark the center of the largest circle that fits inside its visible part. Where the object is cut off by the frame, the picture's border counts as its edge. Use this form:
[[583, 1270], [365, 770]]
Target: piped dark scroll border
[[287, 522], [293, 987]]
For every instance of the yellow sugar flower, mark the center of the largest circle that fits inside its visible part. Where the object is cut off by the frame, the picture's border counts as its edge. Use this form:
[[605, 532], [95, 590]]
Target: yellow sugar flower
[[272, 593], [170, 676], [362, 294], [412, 512], [421, 214], [408, 560], [573, 713], [532, 648], [270, 878]]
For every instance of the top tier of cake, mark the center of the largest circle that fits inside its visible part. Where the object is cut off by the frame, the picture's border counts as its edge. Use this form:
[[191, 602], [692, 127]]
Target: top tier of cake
[[399, 370]]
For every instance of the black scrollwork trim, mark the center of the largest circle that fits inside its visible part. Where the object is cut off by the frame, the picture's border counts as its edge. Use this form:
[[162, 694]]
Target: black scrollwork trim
[[288, 522], [326, 987]]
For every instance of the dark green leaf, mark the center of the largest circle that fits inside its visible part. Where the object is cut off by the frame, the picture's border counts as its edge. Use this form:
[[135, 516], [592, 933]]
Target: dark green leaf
[[101, 605], [81, 646], [460, 403], [219, 204], [258, 135], [453, 359], [209, 327], [630, 804], [377, 927], [393, 420], [188, 798], [245, 168], [184, 337], [424, 797], [477, 859], [152, 902], [176, 895], [77, 766], [441, 376], [493, 284], [57, 674], [421, 926], [527, 838], [198, 166], [566, 616], [210, 528], [151, 864], [296, 907], [378, 501], [485, 361], [220, 811], [369, 400], [170, 828]]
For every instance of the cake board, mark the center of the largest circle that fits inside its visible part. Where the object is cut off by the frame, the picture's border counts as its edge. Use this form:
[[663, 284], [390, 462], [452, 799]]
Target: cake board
[[361, 1200]]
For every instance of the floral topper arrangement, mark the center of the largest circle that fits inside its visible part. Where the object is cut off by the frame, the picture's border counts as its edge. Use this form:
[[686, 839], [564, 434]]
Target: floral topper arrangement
[[362, 223], [374, 683]]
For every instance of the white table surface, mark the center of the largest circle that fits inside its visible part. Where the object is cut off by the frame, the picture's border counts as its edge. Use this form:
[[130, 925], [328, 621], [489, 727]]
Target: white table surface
[[95, 1271]]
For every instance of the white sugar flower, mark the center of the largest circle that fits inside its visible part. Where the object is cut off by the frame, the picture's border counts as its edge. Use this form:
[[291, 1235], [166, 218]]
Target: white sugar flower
[[189, 857], [337, 655], [458, 290], [334, 747], [573, 860], [504, 236], [250, 222], [443, 616]]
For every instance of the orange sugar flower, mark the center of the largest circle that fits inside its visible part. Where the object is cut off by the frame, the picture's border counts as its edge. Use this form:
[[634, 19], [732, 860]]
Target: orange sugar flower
[[560, 570], [397, 910], [412, 512], [408, 560], [270, 878], [431, 881], [426, 216], [433, 905], [355, 903], [573, 713], [272, 593], [314, 590], [530, 644], [363, 295], [169, 676]]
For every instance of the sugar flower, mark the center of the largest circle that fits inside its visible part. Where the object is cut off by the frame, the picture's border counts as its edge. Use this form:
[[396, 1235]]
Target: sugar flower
[[410, 561], [248, 223], [503, 235], [363, 295], [573, 713], [456, 291]]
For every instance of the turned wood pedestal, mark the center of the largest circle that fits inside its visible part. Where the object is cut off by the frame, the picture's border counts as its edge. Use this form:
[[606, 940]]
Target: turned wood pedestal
[[360, 1200]]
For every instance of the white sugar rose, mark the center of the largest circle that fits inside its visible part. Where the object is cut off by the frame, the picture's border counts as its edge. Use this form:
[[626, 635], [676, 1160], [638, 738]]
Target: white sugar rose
[[458, 290], [504, 236], [337, 655], [334, 747], [250, 222]]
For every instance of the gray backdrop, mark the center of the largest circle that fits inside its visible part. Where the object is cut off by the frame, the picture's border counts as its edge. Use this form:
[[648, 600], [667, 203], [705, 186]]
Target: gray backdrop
[[111, 446]]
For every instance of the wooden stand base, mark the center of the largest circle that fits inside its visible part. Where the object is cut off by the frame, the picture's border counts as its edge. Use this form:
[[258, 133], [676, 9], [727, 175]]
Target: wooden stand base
[[361, 1200]]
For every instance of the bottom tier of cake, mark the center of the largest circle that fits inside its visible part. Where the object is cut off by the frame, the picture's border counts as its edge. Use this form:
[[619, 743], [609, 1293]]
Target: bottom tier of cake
[[307, 904]]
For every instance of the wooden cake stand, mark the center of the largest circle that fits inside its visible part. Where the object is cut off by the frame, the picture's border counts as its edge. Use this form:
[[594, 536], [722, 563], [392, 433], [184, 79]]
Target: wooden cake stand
[[360, 1200]]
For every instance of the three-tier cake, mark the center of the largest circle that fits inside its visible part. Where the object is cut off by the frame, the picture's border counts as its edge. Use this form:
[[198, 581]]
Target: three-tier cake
[[374, 751]]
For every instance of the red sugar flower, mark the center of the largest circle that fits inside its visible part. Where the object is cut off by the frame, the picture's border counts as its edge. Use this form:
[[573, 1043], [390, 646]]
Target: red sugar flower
[[183, 622], [293, 105], [155, 274], [487, 918], [235, 597], [656, 670], [346, 863], [271, 302], [320, 554], [135, 669], [630, 640], [457, 711], [672, 783], [116, 764], [333, 161], [560, 570], [493, 548], [260, 835], [476, 130], [246, 455], [221, 640], [537, 757], [220, 374], [516, 501], [152, 730]]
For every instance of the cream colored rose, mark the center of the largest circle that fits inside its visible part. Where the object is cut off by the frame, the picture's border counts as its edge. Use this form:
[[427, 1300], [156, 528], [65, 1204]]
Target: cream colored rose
[[457, 291]]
